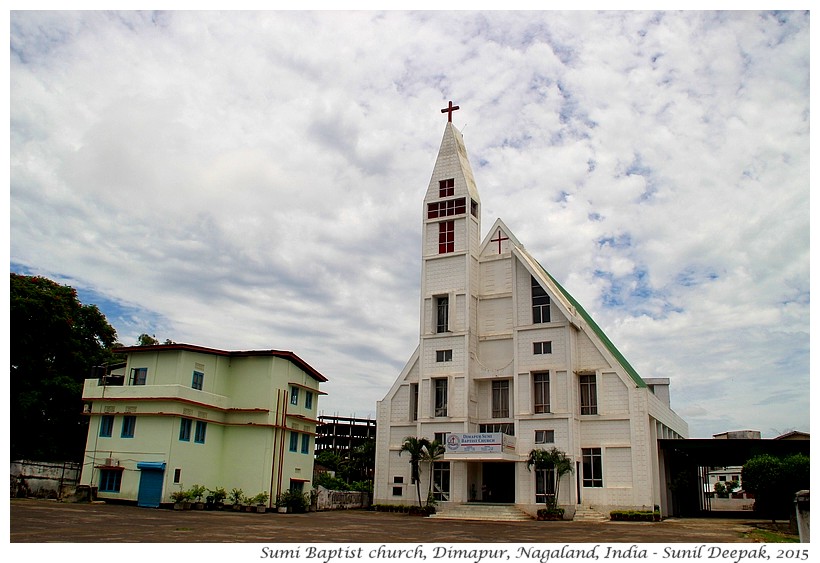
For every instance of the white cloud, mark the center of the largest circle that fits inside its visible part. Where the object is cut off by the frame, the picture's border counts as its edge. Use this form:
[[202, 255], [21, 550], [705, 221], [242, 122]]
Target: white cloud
[[255, 180]]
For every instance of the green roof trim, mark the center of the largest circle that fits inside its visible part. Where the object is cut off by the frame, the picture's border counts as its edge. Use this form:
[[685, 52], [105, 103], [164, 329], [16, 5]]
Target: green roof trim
[[597, 330]]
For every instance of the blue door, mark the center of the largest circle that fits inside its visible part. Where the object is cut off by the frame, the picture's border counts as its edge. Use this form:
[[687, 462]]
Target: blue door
[[151, 478]]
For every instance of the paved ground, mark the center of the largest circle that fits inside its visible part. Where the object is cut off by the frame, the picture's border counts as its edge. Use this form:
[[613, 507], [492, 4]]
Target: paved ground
[[42, 521]]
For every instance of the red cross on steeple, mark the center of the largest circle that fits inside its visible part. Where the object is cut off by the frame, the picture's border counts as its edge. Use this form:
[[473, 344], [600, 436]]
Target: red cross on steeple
[[449, 111], [499, 240]]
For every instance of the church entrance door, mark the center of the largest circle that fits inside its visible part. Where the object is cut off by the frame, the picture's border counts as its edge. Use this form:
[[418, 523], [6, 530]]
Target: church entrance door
[[498, 480]]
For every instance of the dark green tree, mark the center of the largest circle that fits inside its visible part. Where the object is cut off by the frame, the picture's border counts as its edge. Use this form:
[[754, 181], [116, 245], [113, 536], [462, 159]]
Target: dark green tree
[[54, 342], [555, 464], [774, 482]]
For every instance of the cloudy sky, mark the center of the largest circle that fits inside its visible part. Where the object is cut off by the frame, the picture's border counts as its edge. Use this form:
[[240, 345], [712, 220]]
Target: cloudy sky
[[254, 180]]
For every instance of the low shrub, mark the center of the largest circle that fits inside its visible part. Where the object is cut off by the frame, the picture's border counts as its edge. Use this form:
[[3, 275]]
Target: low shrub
[[635, 515]]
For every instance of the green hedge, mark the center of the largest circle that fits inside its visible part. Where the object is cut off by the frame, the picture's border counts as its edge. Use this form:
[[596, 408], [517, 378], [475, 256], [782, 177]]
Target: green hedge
[[635, 515], [405, 509]]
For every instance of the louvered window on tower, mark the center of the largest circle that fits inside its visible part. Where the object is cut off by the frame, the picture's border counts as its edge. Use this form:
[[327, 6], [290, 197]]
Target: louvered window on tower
[[446, 188], [447, 208], [442, 313], [446, 237]]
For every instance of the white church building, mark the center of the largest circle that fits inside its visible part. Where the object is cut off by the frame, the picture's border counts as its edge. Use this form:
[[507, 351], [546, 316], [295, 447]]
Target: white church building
[[508, 362]]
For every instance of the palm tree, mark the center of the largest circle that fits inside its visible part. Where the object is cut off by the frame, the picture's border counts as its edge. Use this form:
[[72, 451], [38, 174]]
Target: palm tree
[[415, 447], [432, 453], [555, 460]]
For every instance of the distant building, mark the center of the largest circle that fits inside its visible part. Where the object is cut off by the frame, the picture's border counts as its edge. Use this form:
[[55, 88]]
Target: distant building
[[177, 415], [794, 435], [738, 435], [507, 362], [341, 434]]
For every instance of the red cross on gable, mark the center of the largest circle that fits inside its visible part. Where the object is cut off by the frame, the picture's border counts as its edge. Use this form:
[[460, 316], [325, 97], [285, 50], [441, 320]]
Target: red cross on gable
[[499, 239], [449, 111]]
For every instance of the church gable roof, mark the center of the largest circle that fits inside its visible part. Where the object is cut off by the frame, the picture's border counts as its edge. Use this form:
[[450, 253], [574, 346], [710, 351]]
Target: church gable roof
[[572, 309]]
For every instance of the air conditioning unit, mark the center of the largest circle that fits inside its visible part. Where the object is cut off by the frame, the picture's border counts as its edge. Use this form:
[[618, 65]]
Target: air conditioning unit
[[112, 462]]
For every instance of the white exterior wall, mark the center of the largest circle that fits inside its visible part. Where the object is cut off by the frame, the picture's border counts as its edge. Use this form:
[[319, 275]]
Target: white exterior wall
[[489, 286]]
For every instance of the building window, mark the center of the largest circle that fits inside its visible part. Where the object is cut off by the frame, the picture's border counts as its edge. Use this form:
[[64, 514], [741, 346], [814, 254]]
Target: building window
[[541, 391], [544, 485], [177, 475], [128, 424], [106, 426], [110, 480], [589, 395], [185, 430], [440, 386], [507, 428], [397, 491], [440, 437], [414, 401], [444, 355], [294, 441], [592, 467], [308, 400], [446, 188], [441, 480], [545, 436], [442, 313], [446, 237], [540, 303], [305, 443], [294, 395], [446, 208], [199, 435], [197, 380], [501, 399], [473, 208], [542, 347], [138, 376]]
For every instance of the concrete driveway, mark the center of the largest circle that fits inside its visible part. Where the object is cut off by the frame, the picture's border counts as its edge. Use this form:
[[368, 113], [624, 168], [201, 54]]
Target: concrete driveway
[[41, 521]]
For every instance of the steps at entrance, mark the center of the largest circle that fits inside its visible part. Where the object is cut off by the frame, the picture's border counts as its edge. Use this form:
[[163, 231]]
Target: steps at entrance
[[481, 511], [587, 514]]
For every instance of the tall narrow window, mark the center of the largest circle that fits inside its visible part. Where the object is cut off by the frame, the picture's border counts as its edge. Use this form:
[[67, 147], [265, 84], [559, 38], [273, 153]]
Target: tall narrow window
[[592, 467], [138, 376], [305, 443], [541, 391], [308, 400], [544, 485], [414, 401], [446, 188], [440, 386], [442, 313], [197, 380], [185, 430], [441, 480], [589, 394], [294, 395], [294, 441], [540, 303], [128, 425], [199, 435], [106, 426], [446, 237], [501, 399]]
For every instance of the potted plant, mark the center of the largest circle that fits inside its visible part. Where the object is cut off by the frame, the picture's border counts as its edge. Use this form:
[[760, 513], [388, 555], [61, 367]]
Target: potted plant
[[196, 493], [260, 500], [281, 504], [179, 497], [236, 496], [247, 504], [217, 498]]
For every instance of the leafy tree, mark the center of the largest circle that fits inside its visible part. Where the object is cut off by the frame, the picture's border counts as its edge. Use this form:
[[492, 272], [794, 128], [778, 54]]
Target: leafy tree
[[54, 342], [415, 448], [774, 482], [147, 340], [556, 463], [329, 459]]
